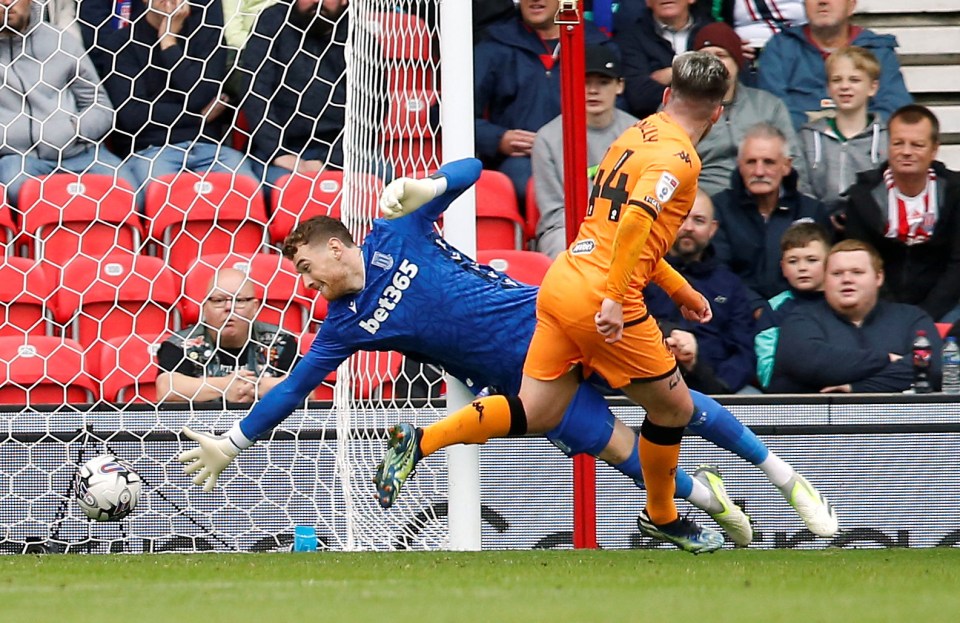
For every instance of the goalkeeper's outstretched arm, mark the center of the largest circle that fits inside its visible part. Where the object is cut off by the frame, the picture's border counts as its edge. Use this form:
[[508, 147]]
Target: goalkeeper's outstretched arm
[[429, 196]]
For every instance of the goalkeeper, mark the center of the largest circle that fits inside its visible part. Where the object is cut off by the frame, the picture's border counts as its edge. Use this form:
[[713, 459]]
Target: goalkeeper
[[406, 289]]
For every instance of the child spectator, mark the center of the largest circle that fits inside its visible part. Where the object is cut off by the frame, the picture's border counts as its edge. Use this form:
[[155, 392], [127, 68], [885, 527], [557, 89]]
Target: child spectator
[[837, 148], [803, 253]]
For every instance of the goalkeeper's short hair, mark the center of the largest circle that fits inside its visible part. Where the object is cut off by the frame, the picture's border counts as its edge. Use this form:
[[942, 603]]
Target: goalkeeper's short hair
[[316, 230]]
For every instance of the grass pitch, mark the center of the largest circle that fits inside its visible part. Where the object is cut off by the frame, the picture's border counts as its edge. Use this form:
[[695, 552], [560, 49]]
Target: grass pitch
[[849, 586]]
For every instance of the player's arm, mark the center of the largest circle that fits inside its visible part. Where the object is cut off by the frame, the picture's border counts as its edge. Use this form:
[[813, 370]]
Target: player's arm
[[680, 291], [216, 452], [430, 195]]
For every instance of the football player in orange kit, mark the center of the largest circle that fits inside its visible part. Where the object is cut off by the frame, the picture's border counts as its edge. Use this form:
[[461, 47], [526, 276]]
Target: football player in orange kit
[[591, 317]]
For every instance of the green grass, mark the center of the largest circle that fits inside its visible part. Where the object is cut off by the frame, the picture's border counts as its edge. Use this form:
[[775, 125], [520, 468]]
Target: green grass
[[846, 586]]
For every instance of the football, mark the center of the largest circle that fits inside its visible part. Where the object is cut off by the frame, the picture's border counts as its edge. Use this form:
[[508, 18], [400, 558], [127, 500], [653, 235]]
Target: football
[[107, 488]]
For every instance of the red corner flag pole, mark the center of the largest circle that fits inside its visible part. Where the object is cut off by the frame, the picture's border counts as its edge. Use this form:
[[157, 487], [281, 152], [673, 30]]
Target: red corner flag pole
[[573, 107]]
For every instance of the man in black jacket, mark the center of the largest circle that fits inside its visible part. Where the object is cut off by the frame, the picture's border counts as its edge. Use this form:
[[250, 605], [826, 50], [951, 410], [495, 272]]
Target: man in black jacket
[[164, 75], [851, 341], [761, 204], [909, 209]]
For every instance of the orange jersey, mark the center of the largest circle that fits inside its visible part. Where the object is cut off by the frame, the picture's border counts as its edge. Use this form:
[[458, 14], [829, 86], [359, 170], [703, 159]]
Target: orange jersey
[[644, 188]]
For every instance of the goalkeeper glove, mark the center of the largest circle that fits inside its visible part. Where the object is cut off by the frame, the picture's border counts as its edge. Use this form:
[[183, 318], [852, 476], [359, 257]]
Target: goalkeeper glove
[[405, 195], [212, 457]]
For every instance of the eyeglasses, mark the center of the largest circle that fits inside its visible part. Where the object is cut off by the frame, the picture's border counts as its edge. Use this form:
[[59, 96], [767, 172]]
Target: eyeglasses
[[222, 301]]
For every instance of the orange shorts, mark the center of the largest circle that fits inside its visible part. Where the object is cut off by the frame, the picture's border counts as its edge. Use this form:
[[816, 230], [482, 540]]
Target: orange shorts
[[567, 335]]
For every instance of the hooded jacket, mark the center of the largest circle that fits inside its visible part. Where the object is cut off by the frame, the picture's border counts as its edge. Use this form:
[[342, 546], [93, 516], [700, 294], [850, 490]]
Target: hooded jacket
[[818, 348], [718, 149], [749, 245], [51, 101], [925, 274], [725, 357], [513, 87], [832, 164], [792, 68]]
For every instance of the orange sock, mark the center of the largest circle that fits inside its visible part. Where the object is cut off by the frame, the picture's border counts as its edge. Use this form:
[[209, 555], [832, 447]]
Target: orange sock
[[482, 419], [659, 454]]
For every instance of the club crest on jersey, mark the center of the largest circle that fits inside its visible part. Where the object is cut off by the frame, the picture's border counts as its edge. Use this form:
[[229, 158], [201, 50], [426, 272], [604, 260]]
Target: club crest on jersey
[[382, 260], [391, 296], [666, 186], [584, 247]]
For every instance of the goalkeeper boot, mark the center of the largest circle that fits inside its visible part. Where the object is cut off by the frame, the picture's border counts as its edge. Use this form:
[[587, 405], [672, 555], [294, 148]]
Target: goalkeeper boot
[[731, 518], [682, 532], [814, 509], [403, 453]]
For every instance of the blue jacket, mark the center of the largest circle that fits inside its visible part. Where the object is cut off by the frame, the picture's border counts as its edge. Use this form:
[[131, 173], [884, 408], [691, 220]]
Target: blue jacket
[[159, 94], [750, 246], [644, 52], [792, 68], [513, 89], [726, 360], [820, 349], [768, 328]]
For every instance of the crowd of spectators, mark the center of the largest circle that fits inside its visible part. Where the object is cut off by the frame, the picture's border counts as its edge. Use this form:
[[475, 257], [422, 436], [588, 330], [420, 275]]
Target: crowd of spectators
[[818, 143]]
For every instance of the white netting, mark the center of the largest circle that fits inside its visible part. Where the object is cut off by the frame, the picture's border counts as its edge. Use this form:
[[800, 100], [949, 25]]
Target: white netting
[[103, 260]]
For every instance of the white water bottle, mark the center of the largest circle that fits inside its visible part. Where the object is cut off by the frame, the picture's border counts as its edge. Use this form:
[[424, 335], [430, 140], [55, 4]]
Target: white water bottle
[[951, 366]]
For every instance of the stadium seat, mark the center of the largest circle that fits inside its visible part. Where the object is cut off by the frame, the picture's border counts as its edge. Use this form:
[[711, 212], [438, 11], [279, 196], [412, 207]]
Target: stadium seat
[[374, 374], [285, 301], [412, 145], [943, 328], [192, 215], [8, 227], [532, 216], [65, 214], [128, 368], [406, 46], [26, 295], [116, 296], [299, 196], [499, 223], [40, 369], [524, 266]]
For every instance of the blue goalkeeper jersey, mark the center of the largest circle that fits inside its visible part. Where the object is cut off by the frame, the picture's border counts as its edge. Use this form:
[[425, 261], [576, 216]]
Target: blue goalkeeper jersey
[[422, 298]]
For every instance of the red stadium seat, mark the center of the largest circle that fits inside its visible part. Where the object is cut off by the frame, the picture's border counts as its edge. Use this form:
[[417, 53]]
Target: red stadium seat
[[300, 196], [943, 328], [278, 286], [324, 391], [499, 223], [192, 215], [8, 228], [65, 214], [411, 142], [402, 36], [128, 368], [374, 373], [524, 266], [26, 295], [318, 311], [39, 369], [116, 296], [532, 216]]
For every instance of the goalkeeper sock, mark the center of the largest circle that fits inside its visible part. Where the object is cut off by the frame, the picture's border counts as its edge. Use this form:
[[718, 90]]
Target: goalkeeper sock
[[659, 453], [479, 421], [718, 426]]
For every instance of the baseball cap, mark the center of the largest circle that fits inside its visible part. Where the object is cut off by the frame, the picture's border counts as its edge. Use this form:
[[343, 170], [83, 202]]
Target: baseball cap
[[601, 60], [720, 35]]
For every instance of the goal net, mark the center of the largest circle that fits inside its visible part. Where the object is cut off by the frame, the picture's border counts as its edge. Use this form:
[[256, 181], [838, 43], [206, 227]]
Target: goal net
[[102, 266]]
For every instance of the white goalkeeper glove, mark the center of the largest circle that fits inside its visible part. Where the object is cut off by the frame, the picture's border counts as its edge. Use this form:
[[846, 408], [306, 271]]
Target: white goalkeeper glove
[[405, 195], [207, 461]]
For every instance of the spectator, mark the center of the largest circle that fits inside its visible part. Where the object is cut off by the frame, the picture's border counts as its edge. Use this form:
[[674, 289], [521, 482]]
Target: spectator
[[762, 202], [239, 16], [803, 256], [294, 74], [605, 123], [98, 18], [755, 21], [228, 355], [165, 80], [53, 111], [716, 357], [63, 15], [835, 149], [517, 87], [743, 107], [909, 210], [852, 341], [793, 61], [648, 45]]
